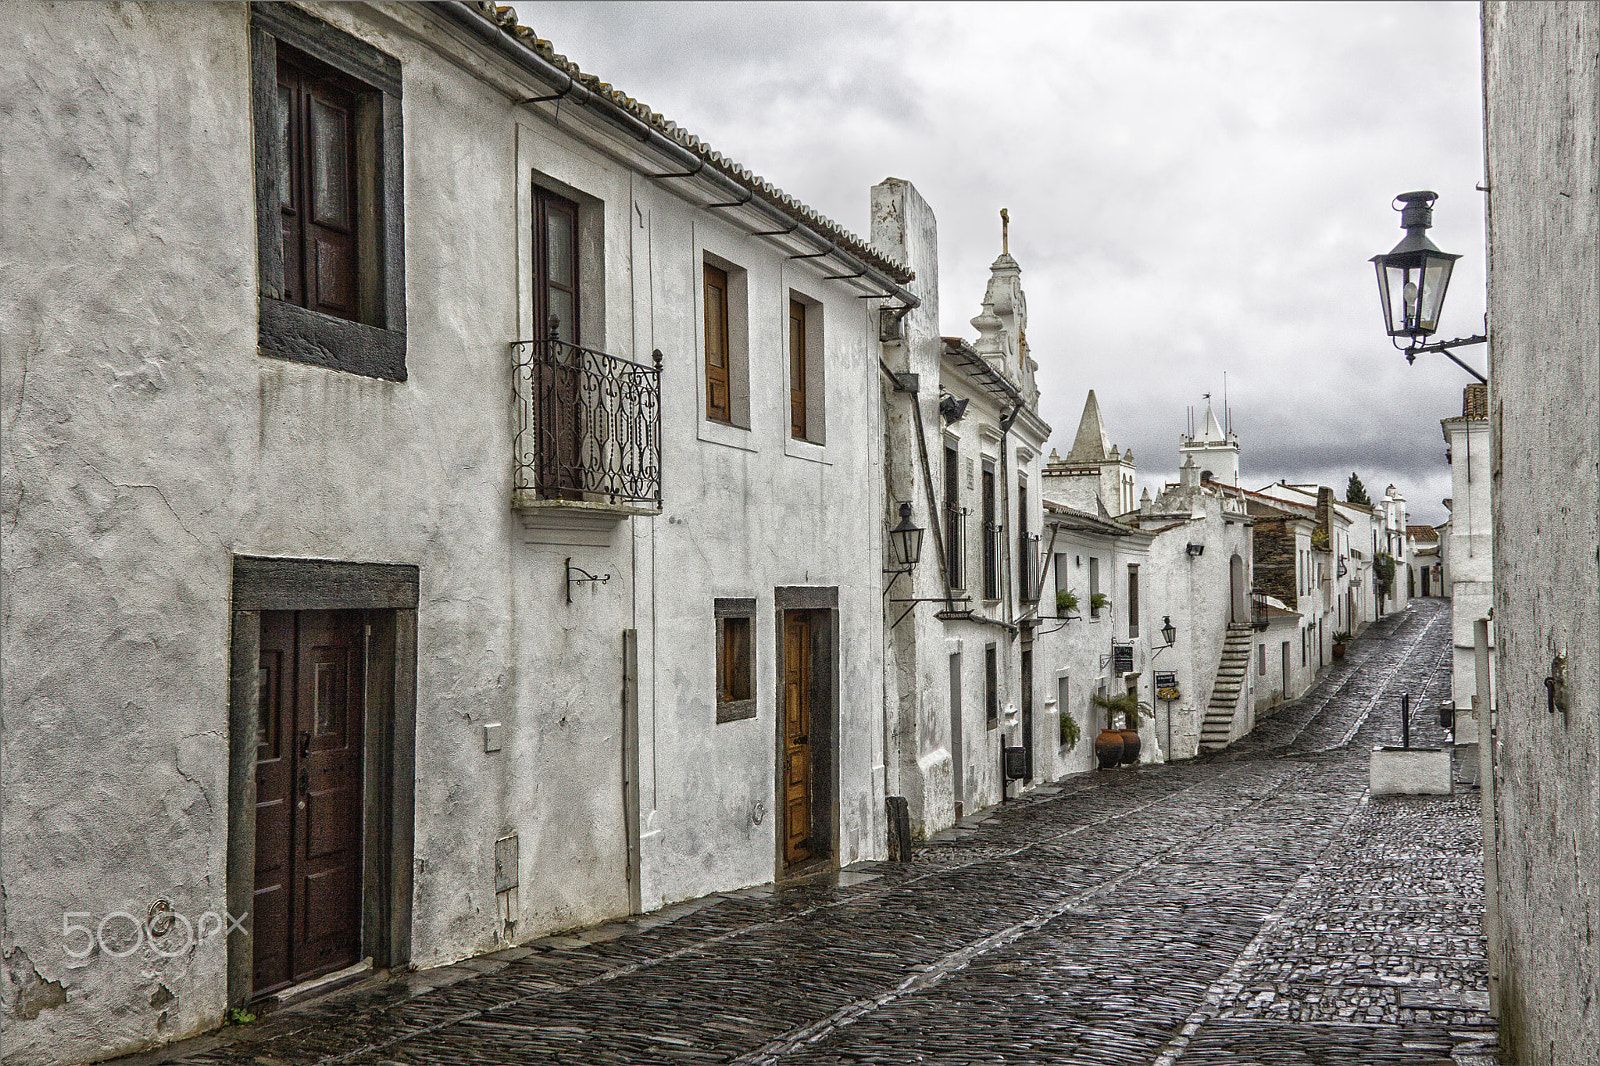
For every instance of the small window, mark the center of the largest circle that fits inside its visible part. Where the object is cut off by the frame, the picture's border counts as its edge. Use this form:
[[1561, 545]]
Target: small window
[[954, 517], [1133, 600], [991, 536], [725, 351], [736, 664], [797, 369], [329, 234], [1094, 585], [991, 686], [1261, 659]]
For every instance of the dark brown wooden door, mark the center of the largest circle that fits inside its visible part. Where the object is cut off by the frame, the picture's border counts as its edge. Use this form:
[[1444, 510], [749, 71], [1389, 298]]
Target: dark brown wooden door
[[306, 918], [555, 315], [796, 739], [719, 404]]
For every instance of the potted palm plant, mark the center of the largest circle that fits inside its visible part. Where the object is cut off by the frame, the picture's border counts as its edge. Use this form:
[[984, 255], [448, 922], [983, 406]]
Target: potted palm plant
[[1339, 641], [1127, 708]]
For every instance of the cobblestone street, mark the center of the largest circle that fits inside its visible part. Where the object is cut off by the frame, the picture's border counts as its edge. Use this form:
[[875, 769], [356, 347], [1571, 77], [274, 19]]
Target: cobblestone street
[[1250, 907]]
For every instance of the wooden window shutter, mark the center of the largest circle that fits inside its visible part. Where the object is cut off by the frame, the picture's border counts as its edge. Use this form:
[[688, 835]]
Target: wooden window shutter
[[797, 369], [718, 401], [317, 191]]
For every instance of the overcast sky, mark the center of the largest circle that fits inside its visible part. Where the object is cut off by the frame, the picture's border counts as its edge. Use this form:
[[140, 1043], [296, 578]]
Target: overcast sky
[[1194, 189]]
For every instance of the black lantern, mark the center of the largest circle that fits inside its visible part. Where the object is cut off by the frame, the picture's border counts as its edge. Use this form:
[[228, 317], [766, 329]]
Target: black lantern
[[905, 540], [1169, 632], [1413, 277]]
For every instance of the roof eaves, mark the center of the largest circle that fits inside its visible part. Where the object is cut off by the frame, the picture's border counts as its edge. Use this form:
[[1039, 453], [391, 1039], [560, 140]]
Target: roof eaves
[[506, 19]]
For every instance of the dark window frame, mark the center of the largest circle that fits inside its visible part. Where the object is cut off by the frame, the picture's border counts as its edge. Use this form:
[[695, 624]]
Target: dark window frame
[[742, 611], [798, 398], [991, 685], [1133, 600], [991, 533], [373, 344]]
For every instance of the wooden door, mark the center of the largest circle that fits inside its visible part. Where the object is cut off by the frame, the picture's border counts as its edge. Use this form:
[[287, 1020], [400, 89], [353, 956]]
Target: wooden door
[[306, 918], [559, 383], [797, 671]]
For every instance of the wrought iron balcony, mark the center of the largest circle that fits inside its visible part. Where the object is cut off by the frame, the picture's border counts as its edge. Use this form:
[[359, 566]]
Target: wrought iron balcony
[[1028, 568], [991, 561], [1258, 609], [955, 544], [588, 427]]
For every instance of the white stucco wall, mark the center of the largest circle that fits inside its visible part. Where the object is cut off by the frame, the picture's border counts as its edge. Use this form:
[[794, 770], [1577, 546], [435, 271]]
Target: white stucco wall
[[1540, 87], [1467, 547], [147, 443]]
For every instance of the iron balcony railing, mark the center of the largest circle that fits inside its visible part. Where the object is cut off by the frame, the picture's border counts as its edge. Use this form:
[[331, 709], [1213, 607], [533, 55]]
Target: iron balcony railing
[[955, 544], [991, 561], [1028, 566], [1258, 609], [588, 424]]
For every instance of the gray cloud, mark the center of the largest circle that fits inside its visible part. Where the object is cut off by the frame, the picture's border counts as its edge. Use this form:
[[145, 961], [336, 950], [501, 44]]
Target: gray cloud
[[1194, 188]]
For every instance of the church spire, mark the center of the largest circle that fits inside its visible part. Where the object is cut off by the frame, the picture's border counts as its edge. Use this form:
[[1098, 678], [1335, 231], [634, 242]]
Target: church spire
[[1090, 445]]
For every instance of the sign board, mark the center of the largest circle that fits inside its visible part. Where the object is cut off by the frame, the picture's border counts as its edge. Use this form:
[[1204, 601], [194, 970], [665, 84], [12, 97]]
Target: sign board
[[1170, 694], [1166, 679], [1122, 658]]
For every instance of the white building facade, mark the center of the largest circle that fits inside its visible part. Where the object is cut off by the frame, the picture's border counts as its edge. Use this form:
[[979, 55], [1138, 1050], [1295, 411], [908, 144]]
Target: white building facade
[[498, 551]]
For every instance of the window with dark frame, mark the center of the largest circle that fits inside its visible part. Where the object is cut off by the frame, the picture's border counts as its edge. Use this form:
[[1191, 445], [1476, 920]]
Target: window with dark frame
[[991, 685], [719, 401], [991, 536], [736, 666], [797, 369], [954, 543], [1094, 585], [329, 221], [1133, 600]]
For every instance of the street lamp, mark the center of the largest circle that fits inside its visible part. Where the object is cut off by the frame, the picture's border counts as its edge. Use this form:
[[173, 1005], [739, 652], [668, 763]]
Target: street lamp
[[1412, 280], [1169, 632], [905, 541]]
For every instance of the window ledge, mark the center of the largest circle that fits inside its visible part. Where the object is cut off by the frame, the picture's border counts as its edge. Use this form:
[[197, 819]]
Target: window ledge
[[726, 434], [735, 711], [805, 449], [529, 503]]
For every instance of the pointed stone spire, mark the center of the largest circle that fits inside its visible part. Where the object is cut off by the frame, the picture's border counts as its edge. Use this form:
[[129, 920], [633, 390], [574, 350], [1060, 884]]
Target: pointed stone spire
[[1090, 445], [1213, 430], [1144, 500]]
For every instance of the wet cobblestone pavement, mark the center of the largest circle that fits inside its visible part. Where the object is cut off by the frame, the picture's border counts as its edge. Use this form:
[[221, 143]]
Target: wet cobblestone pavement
[[1248, 907]]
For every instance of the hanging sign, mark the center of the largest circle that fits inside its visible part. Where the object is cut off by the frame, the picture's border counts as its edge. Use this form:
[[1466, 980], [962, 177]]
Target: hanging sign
[[1122, 658], [1167, 686]]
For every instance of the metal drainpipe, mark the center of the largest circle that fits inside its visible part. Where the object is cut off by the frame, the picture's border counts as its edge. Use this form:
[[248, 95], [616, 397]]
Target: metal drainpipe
[[480, 26]]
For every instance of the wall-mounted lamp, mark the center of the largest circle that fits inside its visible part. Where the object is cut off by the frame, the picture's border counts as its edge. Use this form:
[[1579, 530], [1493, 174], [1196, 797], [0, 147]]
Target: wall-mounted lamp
[[905, 541], [1169, 632], [1412, 279], [1196, 550], [952, 409]]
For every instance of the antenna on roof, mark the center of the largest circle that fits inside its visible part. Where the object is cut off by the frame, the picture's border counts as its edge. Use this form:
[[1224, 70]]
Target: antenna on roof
[[1227, 419]]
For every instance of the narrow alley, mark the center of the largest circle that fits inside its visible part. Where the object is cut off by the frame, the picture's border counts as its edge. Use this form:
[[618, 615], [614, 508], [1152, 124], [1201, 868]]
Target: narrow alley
[[1253, 906]]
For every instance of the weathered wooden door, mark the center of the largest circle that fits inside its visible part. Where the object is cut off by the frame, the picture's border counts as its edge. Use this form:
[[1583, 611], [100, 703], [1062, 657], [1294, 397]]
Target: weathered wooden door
[[559, 381], [306, 919], [797, 670]]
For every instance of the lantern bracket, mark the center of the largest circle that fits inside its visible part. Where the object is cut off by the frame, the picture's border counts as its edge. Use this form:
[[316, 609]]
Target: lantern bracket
[[1443, 348]]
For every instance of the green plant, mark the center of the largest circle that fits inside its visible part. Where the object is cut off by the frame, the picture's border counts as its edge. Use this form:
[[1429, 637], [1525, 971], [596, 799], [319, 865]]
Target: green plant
[[1098, 601], [1383, 568], [1069, 731], [1319, 539], [239, 1016], [1066, 601], [1341, 638], [1127, 705]]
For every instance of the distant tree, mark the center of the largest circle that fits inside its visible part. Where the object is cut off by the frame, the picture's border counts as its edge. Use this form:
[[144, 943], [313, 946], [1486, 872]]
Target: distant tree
[[1356, 492]]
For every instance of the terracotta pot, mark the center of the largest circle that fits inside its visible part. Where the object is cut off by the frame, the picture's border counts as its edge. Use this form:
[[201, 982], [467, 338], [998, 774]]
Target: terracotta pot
[[1338, 651], [1108, 748], [1130, 745]]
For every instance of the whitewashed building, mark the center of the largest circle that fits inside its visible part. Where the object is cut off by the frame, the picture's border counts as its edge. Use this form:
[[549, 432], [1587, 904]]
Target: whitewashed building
[[1201, 566], [963, 440], [1100, 623], [1467, 544], [442, 507]]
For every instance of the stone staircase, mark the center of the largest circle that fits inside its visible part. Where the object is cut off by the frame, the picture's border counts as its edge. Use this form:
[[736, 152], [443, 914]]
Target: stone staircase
[[1225, 692]]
